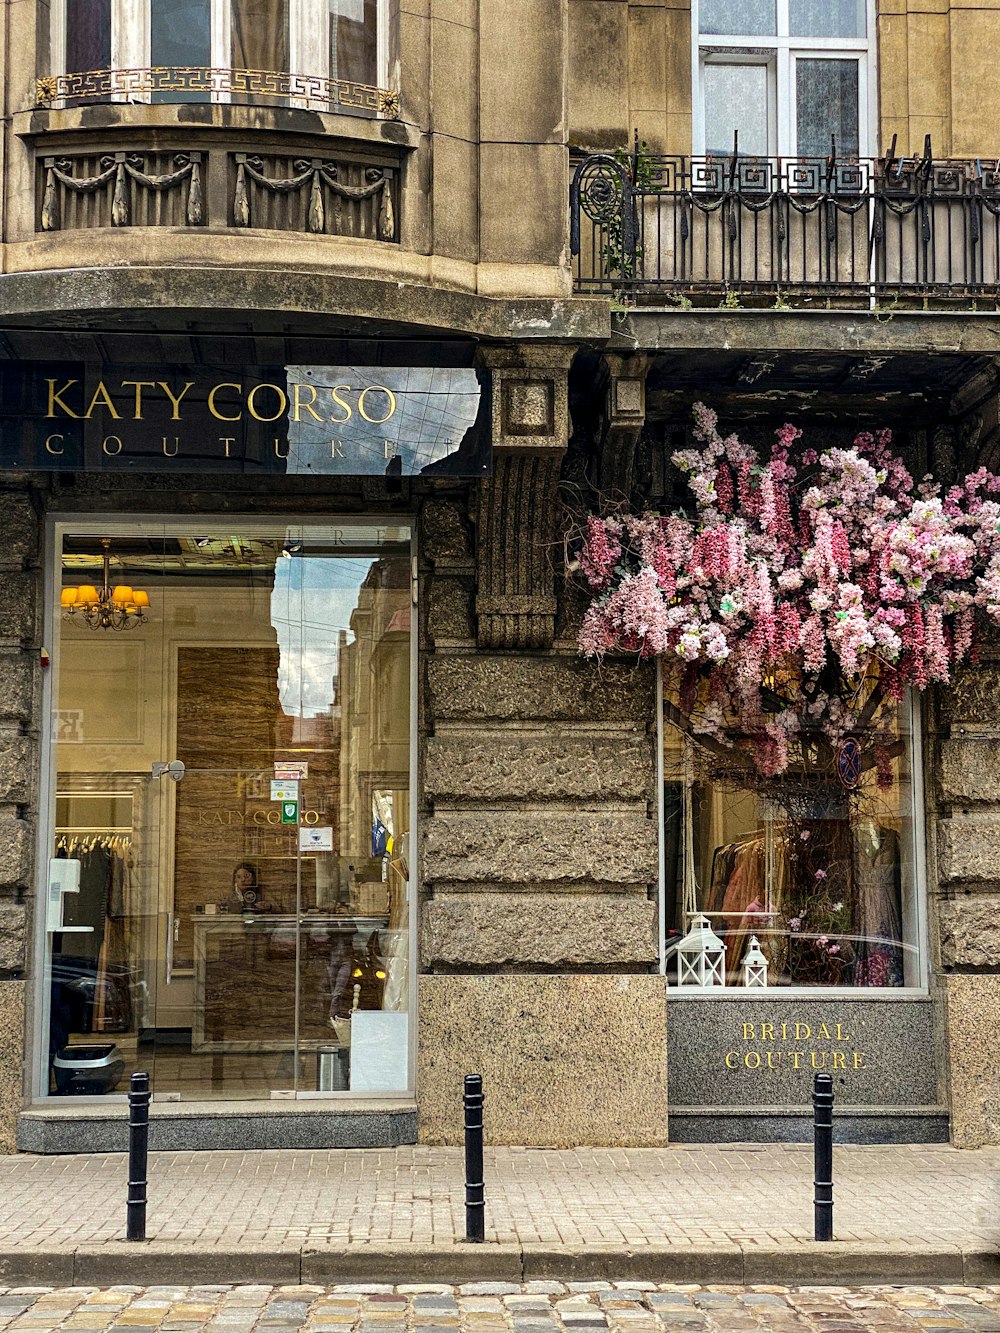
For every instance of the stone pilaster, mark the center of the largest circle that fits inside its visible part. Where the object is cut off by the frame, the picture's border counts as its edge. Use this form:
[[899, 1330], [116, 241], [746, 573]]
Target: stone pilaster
[[538, 839], [20, 730]]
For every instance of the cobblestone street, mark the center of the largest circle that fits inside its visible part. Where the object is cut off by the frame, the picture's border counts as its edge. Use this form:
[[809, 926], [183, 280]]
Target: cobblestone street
[[495, 1307]]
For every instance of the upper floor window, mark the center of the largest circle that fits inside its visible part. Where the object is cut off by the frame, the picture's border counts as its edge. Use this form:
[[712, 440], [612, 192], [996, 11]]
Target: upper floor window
[[782, 78], [325, 39]]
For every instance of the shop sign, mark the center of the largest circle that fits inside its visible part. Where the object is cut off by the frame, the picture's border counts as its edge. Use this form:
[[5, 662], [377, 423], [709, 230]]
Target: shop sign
[[289, 812], [820, 1047], [295, 420]]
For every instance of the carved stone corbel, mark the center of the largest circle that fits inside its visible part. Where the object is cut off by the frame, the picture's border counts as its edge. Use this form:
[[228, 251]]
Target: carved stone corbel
[[624, 417], [517, 506]]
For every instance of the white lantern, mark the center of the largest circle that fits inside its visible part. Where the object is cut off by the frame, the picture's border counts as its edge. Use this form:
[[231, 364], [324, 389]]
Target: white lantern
[[701, 956], [754, 965]]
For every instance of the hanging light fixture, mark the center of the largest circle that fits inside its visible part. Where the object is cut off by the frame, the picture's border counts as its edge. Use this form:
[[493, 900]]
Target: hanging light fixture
[[119, 607]]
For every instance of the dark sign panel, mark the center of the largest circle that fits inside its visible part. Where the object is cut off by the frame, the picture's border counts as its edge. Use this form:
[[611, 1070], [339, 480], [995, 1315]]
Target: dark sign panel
[[292, 420]]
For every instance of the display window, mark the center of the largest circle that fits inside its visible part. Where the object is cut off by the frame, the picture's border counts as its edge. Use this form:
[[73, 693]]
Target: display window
[[808, 879], [229, 851]]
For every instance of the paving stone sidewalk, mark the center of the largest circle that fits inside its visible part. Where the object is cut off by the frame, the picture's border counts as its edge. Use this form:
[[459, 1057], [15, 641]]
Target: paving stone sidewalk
[[485, 1307], [722, 1213]]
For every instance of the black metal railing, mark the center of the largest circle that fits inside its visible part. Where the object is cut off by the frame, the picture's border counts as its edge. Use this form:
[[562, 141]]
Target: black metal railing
[[647, 225]]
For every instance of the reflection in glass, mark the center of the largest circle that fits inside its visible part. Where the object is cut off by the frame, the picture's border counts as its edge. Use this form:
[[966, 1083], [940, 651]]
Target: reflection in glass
[[826, 103], [754, 18], [353, 40], [199, 934], [180, 35], [736, 99], [822, 875], [827, 18]]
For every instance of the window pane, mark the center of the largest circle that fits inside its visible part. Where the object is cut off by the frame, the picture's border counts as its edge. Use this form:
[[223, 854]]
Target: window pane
[[180, 34], [826, 103], [754, 18], [822, 876], [353, 40], [736, 99], [827, 18], [88, 35], [260, 35]]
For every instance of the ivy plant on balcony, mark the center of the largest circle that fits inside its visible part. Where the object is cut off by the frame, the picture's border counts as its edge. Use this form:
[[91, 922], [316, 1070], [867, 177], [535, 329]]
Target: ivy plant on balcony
[[797, 598]]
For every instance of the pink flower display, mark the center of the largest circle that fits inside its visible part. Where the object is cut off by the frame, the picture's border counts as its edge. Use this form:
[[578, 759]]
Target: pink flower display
[[799, 596]]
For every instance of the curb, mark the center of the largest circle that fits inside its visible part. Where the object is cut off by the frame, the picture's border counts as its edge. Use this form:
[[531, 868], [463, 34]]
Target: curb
[[808, 1263]]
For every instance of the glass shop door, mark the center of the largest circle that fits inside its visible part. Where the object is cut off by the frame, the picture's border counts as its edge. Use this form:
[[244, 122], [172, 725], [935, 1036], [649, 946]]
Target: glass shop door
[[250, 733]]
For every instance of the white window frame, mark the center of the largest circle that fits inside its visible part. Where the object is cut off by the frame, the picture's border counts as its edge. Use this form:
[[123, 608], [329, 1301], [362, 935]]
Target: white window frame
[[780, 53]]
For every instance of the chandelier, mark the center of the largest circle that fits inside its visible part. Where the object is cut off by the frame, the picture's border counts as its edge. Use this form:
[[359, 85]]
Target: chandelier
[[120, 607]]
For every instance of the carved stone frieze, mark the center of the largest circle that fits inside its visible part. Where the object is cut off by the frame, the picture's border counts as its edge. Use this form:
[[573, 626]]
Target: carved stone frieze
[[517, 505]]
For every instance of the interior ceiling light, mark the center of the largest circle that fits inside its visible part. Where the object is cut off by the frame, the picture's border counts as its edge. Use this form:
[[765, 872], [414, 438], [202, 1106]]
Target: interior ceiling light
[[119, 607]]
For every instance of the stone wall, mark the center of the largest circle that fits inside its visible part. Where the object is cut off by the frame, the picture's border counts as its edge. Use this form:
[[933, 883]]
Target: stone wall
[[20, 730], [963, 752], [538, 877]]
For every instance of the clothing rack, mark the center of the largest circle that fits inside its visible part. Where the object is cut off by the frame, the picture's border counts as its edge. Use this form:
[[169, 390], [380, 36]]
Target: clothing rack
[[72, 838]]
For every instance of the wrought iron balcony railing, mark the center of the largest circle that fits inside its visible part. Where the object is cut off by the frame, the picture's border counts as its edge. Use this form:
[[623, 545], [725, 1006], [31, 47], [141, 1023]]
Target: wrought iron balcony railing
[[646, 226]]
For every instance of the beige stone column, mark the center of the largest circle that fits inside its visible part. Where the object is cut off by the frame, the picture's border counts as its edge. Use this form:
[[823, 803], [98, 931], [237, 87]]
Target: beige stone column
[[539, 836]]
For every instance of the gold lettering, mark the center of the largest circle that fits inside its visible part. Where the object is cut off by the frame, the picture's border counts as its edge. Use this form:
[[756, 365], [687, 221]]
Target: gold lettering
[[774, 1056], [227, 440], [176, 400], [841, 1036], [211, 402], [283, 402], [166, 451], [767, 1032], [297, 404], [256, 816], [840, 1059], [813, 1057], [748, 1032], [272, 817], [335, 395], [376, 388], [784, 1032], [731, 1055], [101, 394], [105, 443], [824, 1031], [311, 817], [859, 1060], [277, 449], [138, 385], [54, 397], [48, 444], [796, 1057], [752, 1059], [802, 1031]]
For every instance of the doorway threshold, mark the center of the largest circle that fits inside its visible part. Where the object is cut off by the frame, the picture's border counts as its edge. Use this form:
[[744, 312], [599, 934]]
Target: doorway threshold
[[96, 1127]]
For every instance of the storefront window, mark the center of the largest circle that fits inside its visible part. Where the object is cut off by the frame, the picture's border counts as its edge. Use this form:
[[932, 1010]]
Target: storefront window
[[822, 874], [229, 893]]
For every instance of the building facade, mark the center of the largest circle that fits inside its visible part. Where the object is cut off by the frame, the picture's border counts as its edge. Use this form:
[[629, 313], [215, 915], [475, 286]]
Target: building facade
[[321, 331]]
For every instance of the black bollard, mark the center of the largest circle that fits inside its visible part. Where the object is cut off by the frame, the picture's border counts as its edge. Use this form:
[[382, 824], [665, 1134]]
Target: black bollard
[[823, 1155], [475, 1188], [138, 1150]]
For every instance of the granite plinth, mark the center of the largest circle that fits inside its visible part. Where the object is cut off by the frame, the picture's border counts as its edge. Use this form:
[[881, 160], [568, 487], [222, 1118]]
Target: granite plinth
[[11, 1059], [781, 1124], [566, 1060], [973, 1014], [98, 1129], [748, 1052]]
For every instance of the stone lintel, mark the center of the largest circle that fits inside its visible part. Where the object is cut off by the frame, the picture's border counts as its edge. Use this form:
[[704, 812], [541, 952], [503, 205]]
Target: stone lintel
[[856, 331]]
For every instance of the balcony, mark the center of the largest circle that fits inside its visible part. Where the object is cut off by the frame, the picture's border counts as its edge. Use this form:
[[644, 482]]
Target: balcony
[[734, 230]]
